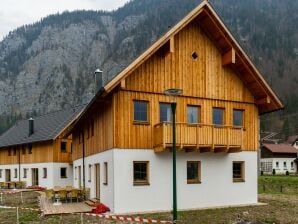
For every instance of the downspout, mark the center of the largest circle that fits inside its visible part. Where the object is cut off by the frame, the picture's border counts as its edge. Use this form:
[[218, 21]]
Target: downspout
[[19, 164], [84, 184]]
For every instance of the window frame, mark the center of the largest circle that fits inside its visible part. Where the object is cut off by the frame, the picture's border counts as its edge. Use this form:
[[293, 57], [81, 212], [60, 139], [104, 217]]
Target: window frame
[[105, 180], [198, 179], [63, 177], [242, 178], [223, 117], [141, 182], [171, 116], [15, 173], [62, 143], [25, 172], [198, 114], [243, 120], [89, 172], [147, 112], [45, 173]]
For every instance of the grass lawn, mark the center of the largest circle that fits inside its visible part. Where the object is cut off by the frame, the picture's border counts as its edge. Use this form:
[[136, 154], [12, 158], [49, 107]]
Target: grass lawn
[[278, 184], [281, 208]]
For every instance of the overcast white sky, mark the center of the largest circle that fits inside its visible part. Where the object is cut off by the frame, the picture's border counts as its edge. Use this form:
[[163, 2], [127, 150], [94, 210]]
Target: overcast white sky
[[15, 13]]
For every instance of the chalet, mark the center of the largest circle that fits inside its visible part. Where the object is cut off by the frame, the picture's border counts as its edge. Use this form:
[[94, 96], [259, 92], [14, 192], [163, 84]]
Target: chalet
[[278, 157], [33, 151], [122, 141]]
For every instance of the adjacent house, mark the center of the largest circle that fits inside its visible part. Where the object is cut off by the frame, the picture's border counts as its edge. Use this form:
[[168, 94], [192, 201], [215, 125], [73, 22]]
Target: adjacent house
[[293, 140], [122, 141], [278, 157], [33, 151]]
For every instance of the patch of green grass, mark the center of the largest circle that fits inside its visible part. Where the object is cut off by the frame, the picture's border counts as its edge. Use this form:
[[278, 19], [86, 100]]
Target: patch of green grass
[[278, 184]]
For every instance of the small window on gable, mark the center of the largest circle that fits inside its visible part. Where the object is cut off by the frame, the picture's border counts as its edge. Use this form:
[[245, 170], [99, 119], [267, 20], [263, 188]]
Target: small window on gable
[[193, 172], [218, 116], [194, 55], [238, 118], [193, 114], [63, 147], [238, 171], [140, 111], [141, 173], [165, 112]]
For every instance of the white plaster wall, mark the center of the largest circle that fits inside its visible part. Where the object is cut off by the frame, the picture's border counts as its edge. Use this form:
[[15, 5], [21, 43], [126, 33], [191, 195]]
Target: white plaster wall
[[281, 169], [106, 191], [217, 187], [53, 174]]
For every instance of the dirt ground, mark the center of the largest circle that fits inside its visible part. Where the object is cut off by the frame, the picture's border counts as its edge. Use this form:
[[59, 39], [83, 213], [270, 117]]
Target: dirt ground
[[280, 209]]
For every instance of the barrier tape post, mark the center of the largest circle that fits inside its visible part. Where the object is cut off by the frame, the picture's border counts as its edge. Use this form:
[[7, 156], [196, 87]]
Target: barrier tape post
[[18, 215]]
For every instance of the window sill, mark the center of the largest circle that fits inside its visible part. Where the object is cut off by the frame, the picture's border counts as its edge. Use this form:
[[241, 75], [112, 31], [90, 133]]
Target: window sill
[[63, 177], [141, 122], [194, 182], [141, 183], [238, 180]]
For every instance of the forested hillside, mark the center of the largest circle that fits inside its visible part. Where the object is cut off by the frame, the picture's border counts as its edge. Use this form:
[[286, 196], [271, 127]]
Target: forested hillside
[[49, 65]]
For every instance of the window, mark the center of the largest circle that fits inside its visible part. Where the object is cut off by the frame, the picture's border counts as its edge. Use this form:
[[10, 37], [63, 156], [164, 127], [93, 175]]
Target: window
[[194, 55], [15, 173], [165, 112], [89, 172], [238, 118], [277, 165], [23, 149], [285, 165], [266, 166], [71, 147], [238, 171], [14, 151], [25, 172], [218, 116], [9, 152], [63, 173], [140, 111], [105, 181], [30, 149], [63, 147], [45, 172], [193, 172], [0, 173], [193, 114], [292, 165], [140, 173]]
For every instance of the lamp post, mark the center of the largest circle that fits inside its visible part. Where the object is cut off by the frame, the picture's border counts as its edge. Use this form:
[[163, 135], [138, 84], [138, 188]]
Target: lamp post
[[173, 93]]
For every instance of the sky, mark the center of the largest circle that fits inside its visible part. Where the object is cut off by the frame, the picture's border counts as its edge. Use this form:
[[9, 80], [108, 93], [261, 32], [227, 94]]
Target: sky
[[15, 13]]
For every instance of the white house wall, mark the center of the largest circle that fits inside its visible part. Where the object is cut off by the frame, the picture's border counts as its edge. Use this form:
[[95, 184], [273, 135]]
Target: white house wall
[[281, 169], [53, 174], [217, 187]]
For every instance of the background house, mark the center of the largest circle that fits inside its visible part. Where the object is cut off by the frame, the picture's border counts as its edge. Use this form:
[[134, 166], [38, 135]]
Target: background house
[[278, 157], [34, 151], [293, 140]]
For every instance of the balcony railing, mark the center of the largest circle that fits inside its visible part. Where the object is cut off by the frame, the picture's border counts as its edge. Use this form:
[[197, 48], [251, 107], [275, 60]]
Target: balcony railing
[[201, 137]]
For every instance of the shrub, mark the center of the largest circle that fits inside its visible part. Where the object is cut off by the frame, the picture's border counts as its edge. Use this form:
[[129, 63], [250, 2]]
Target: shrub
[[273, 172], [287, 173]]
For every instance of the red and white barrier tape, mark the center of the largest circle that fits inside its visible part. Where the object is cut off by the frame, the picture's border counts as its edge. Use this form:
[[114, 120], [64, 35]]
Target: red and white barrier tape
[[30, 209], [124, 218]]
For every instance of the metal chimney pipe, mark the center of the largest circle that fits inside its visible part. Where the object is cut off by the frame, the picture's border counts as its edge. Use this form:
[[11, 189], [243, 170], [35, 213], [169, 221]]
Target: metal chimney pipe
[[98, 79], [31, 126]]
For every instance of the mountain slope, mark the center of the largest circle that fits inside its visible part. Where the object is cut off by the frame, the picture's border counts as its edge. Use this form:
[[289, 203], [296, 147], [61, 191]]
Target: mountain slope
[[48, 65]]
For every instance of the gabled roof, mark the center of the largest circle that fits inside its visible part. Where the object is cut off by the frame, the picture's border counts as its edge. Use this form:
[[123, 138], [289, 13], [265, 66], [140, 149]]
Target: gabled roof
[[280, 148], [46, 127], [209, 21], [292, 139]]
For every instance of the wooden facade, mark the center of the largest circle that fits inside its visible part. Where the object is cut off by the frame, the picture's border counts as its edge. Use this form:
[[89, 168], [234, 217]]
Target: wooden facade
[[199, 56], [42, 152]]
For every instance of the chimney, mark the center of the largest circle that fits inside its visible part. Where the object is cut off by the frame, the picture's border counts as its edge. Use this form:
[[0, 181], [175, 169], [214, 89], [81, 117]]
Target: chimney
[[31, 126], [98, 80]]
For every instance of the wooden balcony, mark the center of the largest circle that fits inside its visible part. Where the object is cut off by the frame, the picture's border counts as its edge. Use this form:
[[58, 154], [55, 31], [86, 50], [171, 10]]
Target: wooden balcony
[[198, 137]]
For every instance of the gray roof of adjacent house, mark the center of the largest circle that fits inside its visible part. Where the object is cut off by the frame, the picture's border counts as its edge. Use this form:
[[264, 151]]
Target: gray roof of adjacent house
[[46, 127]]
